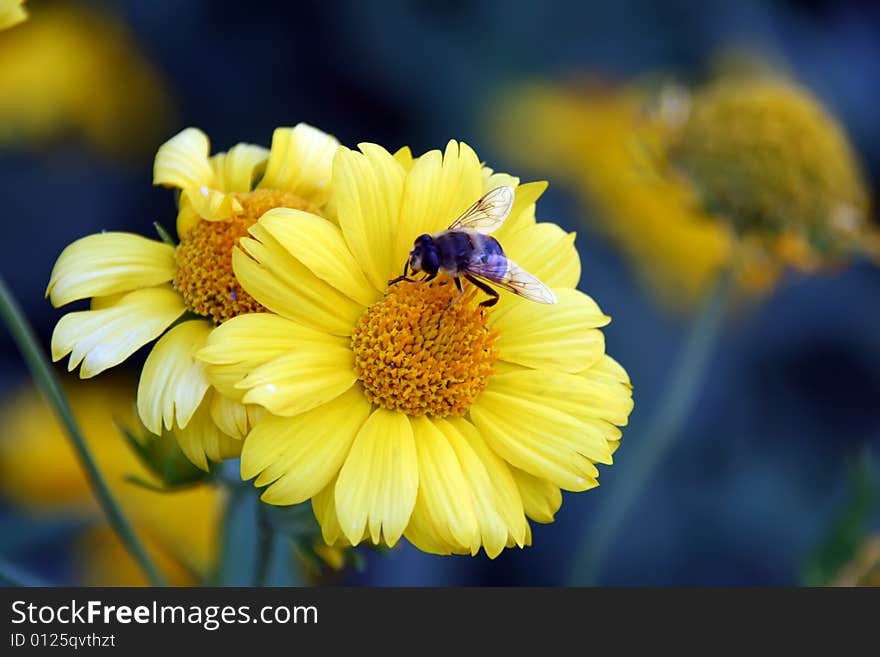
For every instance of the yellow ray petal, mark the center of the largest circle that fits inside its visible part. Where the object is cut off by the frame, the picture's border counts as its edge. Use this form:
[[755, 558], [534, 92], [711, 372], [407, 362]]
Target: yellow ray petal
[[320, 246], [522, 214], [541, 499], [11, 13], [243, 343], [608, 393], [446, 493], [437, 190], [546, 251], [405, 157], [201, 440], [109, 263], [301, 162], [236, 169], [593, 402], [232, 417], [423, 532], [204, 203], [379, 481], [507, 498], [492, 528], [302, 454], [182, 161], [103, 338], [173, 382], [368, 189], [554, 337], [301, 380], [286, 286], [538, 439], [324, 508]]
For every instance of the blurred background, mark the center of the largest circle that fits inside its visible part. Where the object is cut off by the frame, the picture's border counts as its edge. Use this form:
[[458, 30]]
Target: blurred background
[[770, 483]]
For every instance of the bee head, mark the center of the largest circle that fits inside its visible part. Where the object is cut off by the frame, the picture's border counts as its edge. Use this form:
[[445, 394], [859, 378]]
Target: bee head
[[423, 256]]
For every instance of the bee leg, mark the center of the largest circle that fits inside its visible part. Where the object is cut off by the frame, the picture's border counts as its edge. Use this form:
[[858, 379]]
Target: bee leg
[[452, 301], [429, 277], [493, 294], [403, 277]]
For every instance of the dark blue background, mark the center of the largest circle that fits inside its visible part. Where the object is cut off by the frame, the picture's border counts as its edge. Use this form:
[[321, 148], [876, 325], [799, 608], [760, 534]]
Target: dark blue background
[[791, 395]]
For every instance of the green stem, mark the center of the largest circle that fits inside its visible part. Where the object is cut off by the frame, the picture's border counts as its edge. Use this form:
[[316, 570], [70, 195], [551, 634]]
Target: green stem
[[27, 343], [638, 465]]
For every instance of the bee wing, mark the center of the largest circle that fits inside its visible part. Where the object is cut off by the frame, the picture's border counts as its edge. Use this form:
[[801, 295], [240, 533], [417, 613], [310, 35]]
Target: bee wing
[[488, 213], [505, 273]]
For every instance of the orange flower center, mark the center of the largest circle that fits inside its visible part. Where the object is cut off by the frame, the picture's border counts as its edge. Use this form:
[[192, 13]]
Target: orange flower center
[[416, 353], [204, 258]]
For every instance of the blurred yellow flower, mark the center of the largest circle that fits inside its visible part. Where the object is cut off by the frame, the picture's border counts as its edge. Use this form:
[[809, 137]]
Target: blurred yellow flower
[[41, 473], [142, 289], [665, 171], [11, 13], [392, 424], [75, 70]]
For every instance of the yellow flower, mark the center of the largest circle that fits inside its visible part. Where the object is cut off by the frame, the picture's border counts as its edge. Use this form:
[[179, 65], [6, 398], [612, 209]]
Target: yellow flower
[[142, 289], [11, 13], [74, 70], [627, 150], [448, 432], [765, 156], [180, 529]]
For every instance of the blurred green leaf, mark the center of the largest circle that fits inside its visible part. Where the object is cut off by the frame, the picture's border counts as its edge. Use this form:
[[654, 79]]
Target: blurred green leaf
[[162, 456], [848, 531], [164, 235]]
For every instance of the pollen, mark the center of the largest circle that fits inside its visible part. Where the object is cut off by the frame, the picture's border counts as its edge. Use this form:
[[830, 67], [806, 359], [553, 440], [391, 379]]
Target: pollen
[[421, 352], [204, 258]]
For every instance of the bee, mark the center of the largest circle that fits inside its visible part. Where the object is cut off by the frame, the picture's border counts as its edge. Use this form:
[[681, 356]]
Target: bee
[[467, 250]]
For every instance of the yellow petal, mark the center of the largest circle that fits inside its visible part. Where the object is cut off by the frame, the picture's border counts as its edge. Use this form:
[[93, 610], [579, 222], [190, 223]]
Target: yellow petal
[[324, 508], [437, 190], [320, 246], [235, 170], [539, 439], [522, 214], [301, 380], [302, 454], [201, 440], [243, 343], [608, 393], [232, 417], [103, 338], [286, 286], [379, 481], [442, 485], [404, 157], [205, 203], [507, 499], [546, 251], [541, 499], [593, 402], [173, 382], [182, 161], [368, 187], [422, 532], [109, 263], [301, 162], [11, 13], [561, 336], [484, 497]]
